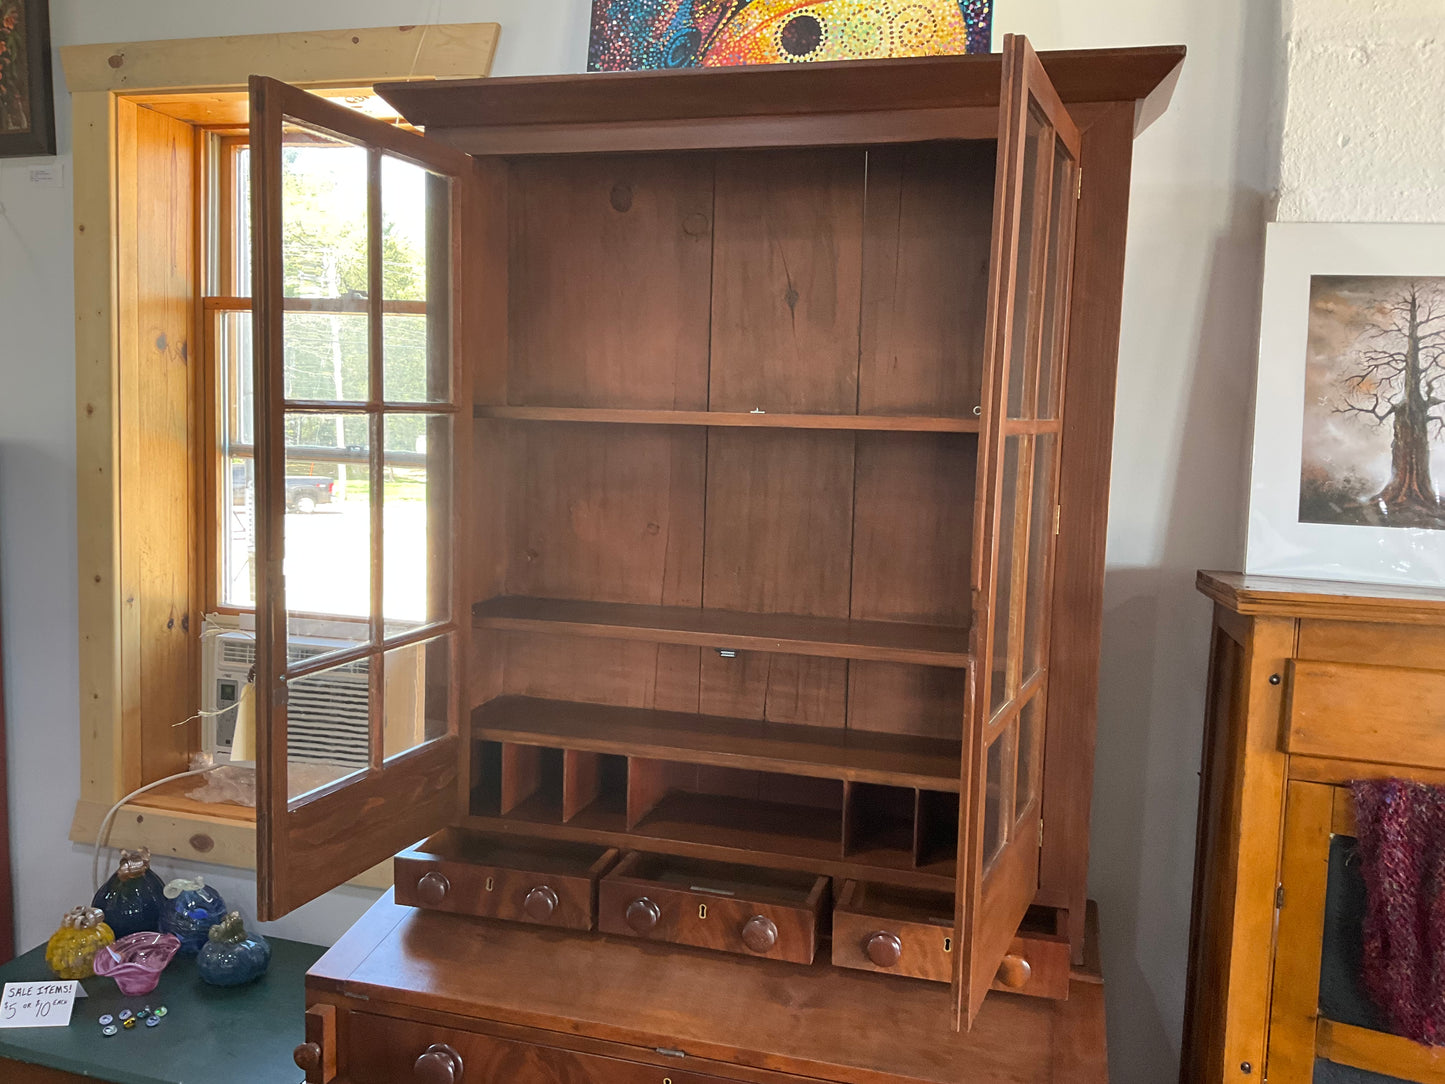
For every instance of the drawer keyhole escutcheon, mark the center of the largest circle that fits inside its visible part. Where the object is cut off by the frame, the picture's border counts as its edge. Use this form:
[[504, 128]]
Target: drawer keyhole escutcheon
[[760, 934], [702, 910], [948, 944], [432, 889], [439, 1064], [643, 915], [540, 903], [491, 883], [884, 949]]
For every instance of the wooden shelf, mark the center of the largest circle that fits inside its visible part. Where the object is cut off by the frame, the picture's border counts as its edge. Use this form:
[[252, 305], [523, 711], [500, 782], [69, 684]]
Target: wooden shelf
[[834, 638], [737, 830], [819, 752], [901, 423]]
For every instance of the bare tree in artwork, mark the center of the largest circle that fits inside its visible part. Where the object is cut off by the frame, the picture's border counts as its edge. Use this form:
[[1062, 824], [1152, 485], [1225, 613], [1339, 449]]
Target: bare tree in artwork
[[1393, 379]]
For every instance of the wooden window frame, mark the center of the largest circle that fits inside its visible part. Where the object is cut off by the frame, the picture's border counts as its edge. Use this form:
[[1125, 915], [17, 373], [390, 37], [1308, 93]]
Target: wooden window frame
[[199, 81]]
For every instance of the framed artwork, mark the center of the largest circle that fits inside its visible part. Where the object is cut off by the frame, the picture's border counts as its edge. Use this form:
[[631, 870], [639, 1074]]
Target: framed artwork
[[632, 35], [27, 101], [1349, 430]]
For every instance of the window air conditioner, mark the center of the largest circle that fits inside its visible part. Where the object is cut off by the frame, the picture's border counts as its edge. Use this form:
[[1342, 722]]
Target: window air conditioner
[[326, 715]]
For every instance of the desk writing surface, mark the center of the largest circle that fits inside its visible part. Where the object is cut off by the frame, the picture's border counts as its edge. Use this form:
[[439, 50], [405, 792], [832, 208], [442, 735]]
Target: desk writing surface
[[210, 1034]]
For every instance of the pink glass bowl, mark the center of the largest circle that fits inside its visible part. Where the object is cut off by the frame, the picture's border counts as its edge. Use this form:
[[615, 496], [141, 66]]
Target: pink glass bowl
[[137, 960]]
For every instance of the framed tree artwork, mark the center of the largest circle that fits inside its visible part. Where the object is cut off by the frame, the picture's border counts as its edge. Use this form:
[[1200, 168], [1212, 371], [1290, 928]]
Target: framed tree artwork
[[1349, 437], [27, 101]]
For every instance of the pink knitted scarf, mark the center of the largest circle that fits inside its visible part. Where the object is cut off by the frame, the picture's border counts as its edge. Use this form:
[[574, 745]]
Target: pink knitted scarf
[[1402, 851]]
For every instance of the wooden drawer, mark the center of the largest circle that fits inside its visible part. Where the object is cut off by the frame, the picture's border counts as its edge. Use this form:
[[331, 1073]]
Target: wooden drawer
[[897, 931], [753, 912], [385, 1051], [1382, 714], [546, 882]]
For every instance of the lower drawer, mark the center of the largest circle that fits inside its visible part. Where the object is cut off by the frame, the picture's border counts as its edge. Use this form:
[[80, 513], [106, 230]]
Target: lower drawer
[[549, 883], [900, 931], [753, 912], [386, 1051]]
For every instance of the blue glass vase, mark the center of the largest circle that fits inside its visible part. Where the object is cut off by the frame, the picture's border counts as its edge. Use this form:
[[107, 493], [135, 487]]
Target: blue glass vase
[[190, 910], [132, 898], [231, 956]]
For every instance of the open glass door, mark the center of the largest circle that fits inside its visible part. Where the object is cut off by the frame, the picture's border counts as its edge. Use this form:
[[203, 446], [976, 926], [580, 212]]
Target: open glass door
[[1032, 258], [360, 448]]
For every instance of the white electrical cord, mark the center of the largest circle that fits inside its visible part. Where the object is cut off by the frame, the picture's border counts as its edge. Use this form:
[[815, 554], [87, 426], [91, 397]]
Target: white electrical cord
[[105, 823]]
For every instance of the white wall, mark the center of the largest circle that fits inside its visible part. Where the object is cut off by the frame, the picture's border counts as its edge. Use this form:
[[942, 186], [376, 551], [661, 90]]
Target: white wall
[[1201, 175]]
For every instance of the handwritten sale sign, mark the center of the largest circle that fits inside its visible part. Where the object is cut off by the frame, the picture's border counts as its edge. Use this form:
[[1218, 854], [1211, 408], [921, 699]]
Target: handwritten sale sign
[[37, 1004]]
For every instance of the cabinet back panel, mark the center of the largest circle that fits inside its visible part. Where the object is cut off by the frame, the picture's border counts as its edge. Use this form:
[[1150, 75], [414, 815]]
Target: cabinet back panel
[[787, 272], [779, 522], [610, 268], [779, 688], [607, 513], [925, 278], [912, 527], [627, 673], [893, 698]]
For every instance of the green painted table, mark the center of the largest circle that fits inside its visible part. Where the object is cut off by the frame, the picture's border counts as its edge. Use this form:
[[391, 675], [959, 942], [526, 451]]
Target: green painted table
[[210, 1034]]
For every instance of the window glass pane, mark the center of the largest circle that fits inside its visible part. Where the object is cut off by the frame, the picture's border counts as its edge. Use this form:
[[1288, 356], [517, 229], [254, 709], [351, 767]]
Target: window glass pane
[[1008, 511], [328, 728], [998, 793], [417, 694], [324, 266], [328, 522], [416, 510], [1024, 301], [323, 216], [1041, 536], [416, 266], [1031, 755], [240, 224], [326, 355], [236, 501], [1061, 217]]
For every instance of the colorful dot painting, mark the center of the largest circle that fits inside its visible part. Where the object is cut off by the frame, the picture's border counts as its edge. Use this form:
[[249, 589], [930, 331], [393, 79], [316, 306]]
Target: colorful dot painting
[[630, 35]]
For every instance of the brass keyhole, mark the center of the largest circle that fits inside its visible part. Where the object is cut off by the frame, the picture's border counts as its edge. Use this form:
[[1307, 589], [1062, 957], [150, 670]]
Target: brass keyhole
[[702, 910], [491, 883], [948, 944]]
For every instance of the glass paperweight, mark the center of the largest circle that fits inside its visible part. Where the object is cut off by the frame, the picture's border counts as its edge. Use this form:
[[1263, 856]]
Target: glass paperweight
[[72, 948], [232, 956], [190, 909], [136, 961], [132, 898]]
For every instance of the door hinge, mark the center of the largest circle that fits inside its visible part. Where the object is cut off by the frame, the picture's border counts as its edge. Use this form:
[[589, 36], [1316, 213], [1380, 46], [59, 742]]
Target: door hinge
[[1058, 516], [1079, 185], [1278, 897]]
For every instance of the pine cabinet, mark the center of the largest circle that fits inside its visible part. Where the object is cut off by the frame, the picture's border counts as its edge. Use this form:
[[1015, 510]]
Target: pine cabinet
[[763, 452]]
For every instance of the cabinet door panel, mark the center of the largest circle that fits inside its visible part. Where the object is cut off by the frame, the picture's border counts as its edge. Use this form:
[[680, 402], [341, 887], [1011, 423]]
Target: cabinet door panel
[[361, 599], [1014, 527]]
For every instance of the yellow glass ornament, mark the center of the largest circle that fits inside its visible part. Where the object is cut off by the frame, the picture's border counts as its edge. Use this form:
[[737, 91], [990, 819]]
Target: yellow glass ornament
[[72, 948]]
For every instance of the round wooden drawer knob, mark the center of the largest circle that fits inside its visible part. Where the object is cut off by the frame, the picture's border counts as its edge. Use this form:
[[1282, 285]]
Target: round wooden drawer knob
[[760, 934], [432, 889], [884, 949], [540, 903], [643, 915], [308, 1057], [1014, 972], [440, 1064]]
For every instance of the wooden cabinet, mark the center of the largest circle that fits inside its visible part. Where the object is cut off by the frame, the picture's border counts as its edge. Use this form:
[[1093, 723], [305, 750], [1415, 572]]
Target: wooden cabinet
[[1312, 685], [760, 545]]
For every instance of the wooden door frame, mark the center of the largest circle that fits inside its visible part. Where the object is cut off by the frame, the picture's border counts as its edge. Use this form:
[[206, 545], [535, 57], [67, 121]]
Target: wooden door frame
[[102, 78]]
